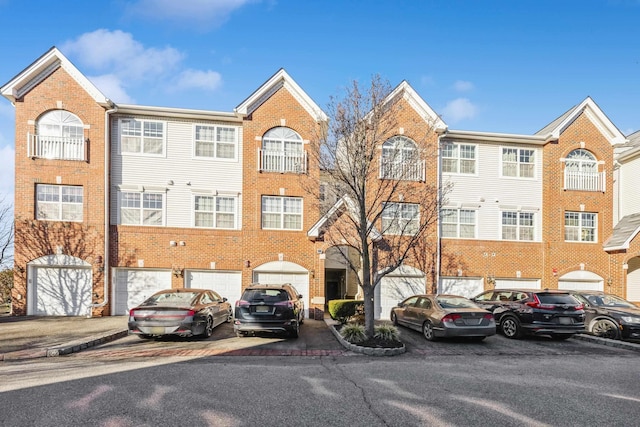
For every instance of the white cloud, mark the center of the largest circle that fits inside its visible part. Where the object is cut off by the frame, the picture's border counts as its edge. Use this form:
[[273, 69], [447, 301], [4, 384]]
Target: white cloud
[[459, 109], [202, 14], [196, 79], [463, 86], [111, 86]]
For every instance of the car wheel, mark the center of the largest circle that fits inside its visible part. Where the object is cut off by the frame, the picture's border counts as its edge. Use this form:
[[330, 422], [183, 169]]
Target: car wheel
[[229, 317], [394, 318], [510, 327], [295, 332], [427, 331], [561, 337], [240, 334], [301, 320], [605, 328], [208, 328], [145, 336]]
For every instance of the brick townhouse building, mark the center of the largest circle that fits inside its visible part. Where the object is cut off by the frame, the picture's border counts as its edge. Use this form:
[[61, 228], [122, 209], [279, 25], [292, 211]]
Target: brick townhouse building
[[114, 202]]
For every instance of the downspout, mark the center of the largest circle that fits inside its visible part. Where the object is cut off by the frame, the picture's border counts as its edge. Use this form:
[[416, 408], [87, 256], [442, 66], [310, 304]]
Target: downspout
[[107, 195], [441, 134]]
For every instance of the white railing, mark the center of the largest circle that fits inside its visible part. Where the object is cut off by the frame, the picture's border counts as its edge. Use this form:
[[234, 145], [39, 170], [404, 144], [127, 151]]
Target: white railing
[[408, 171], [282, 161], [56, 147], [585, 181]]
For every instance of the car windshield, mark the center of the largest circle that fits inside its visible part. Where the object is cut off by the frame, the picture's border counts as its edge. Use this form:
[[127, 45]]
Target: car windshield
[[266, 295], [608, 300], [557, 299], [455, 302], [173, 298]]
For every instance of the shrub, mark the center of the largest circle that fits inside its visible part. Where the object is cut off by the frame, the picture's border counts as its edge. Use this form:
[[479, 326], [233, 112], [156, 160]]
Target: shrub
[[342, 309], [353, 333], [386, 332]]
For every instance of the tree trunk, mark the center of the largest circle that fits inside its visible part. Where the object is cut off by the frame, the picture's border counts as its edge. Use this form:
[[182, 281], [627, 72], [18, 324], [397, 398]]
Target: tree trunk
[[369, 308]]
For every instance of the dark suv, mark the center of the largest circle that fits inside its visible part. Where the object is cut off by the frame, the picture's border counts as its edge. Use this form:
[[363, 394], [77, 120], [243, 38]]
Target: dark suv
[[534, 311], [609, 316], [269, 308]]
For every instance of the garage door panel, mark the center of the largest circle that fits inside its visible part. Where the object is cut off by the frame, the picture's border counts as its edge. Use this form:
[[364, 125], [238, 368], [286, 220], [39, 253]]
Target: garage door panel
[[299, 281], [393, 290], [134, 286], [581, 285], [458, 286], [227, 284], [517, 283], [62, 291]]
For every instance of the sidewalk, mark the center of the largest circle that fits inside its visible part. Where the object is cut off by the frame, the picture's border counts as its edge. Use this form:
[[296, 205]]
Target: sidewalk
[[24, 337]]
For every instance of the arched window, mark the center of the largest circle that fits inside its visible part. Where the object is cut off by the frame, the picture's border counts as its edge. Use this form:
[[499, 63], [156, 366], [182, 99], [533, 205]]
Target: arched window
[[282, 151], [400, 160], [581, 171], [59, 135]]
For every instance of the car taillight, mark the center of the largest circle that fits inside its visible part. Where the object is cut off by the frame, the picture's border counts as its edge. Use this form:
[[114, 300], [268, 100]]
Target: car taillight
[[488, 316], [451, 317], [288, 304], [132, 312], [579, 307], [242, 303], [537, 304], [191, 313]]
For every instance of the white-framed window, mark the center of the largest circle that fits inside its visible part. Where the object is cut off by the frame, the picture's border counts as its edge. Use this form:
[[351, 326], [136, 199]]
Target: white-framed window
[[59, 135], [144, 137], [400, 160], [581, 172], [458, 223], [580, 226], [141, 208], [282, 151], [518, 225], [283, 213], [216, 142], [459, 158], [400, 218], [215, 211], [59, 202], [518, 162]]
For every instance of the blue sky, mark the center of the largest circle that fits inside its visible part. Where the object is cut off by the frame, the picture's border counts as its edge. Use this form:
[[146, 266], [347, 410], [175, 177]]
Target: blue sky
[[497, 66]]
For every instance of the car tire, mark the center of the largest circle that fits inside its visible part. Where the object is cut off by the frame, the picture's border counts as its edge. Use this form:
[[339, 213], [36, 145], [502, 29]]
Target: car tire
[[145, 336], [428, 332], [301, 320], [605, 328], [241, 334], [394, 318], [510, 327], [295, 332], [208, 328], [561, 337], [229, 317]]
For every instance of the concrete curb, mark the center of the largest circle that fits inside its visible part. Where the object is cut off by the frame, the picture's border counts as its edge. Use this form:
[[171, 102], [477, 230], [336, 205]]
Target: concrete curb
[[608, 342], [369, 351], [67, 348]]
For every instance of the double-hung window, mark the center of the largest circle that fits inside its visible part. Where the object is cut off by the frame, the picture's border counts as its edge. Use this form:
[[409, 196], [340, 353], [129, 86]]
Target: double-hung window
[[141, 208], [59, 202], [458, 158], [400, 218], [580, 226], [518, 162], [145, 137], [458, 223], [283, 213], [215, 211], [518, 225], [217, 142]]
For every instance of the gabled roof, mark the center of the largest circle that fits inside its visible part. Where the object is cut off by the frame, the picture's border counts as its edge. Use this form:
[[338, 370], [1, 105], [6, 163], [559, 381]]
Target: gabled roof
[[277, 81], [42, 68], [419, 105], [623, 233], [595, 114], [344, 203]]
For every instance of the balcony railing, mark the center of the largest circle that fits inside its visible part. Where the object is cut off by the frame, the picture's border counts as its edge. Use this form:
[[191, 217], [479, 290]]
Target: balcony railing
[[408, 171], [56, 147], [585, 181], [282, 161]]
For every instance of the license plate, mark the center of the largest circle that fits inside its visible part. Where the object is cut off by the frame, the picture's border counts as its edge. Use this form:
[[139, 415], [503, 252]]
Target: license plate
[[262, 309], [472, 322], [157, 330], [565, 321]]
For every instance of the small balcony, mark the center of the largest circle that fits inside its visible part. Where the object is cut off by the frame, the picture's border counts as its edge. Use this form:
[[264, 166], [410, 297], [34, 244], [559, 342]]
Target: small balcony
[[406, 171], [585, 181], [56, 147], [282, 161]]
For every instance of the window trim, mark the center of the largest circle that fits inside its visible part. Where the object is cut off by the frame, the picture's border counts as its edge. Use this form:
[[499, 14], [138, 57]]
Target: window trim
[[518, 163], [141, 208], [236, 143], [518, 226], [141, 153], [282, 213], [214, 212], [390, 229], [60, 203], [580, 227], [458, 158], [457, 223]]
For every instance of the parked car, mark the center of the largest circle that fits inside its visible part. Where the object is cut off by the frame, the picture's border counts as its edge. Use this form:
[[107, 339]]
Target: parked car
[[438, 316], [183, 312], [534, 311], [269, 308], [609, 316]]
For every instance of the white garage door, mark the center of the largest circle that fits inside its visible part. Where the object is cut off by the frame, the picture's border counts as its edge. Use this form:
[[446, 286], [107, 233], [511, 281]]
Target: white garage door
[[299, 280], [517, 283], [60, 291], [465, 287], [132, 286], [581, 285], [393, 290], [227, 284]]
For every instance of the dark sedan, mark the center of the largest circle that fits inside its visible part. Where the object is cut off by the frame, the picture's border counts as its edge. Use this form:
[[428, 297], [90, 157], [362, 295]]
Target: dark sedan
[[439, 316], [183, 312], [609, 316]]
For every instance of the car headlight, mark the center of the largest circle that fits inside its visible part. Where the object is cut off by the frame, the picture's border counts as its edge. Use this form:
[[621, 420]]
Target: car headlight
[[631, 319]]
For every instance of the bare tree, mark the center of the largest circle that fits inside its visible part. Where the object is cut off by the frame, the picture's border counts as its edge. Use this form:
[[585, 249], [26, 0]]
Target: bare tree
[[379, 157], [6, 234]]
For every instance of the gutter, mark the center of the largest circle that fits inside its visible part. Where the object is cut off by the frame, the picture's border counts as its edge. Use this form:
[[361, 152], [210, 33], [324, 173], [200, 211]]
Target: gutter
[[107, 165]]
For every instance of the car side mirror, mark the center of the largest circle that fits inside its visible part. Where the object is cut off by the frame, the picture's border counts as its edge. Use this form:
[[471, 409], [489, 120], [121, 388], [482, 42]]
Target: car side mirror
[[300, 296], [224, 299]]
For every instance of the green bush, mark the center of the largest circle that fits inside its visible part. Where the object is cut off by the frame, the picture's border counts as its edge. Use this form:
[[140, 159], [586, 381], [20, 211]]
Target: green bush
[[353, 332], [342, 309], [386, 332]]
